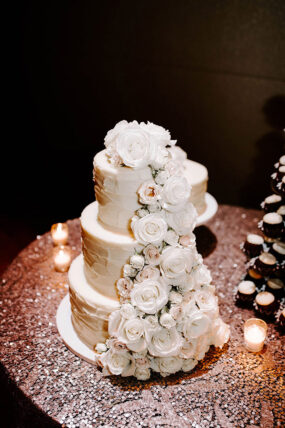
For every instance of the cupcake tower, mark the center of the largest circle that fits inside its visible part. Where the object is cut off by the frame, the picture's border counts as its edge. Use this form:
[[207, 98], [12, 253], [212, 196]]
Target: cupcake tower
[[263, 287]]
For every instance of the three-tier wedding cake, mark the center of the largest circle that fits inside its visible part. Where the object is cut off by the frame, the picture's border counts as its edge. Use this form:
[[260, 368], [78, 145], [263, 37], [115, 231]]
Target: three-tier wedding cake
[[140, 294]]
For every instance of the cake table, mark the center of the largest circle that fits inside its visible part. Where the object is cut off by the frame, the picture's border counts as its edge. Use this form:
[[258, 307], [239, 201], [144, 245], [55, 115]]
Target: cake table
[[50, 386]]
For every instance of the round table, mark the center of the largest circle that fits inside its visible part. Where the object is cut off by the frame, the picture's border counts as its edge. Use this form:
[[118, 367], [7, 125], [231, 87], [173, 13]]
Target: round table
[[50, 386]]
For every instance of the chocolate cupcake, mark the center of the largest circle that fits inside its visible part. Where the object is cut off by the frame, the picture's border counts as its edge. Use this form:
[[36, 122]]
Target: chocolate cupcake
[[254, 277], [253, 245], [278, 250], [280, 271], [265, 264], [246, 293], [272, 225], [265, 304], [276, 287], [271, 203]]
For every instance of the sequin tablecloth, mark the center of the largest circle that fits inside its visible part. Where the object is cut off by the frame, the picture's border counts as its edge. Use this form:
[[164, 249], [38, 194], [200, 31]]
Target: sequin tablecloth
[[50, 386]]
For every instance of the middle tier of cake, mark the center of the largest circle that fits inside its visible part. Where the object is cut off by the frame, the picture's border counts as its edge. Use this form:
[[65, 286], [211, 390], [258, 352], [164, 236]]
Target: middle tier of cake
[[105, 252]]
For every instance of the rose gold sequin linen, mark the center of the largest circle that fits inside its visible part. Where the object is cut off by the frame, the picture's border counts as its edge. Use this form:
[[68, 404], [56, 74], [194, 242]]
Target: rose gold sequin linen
[[52, 387]]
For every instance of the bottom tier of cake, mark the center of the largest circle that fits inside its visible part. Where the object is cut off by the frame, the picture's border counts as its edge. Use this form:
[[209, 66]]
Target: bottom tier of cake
[[90, 309]]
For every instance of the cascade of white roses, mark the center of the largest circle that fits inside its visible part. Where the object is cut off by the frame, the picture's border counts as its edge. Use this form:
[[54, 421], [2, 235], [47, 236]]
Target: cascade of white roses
[[168, 315]]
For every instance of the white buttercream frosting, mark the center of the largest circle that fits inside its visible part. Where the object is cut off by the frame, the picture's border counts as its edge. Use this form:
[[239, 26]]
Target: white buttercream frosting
[[116, 190]]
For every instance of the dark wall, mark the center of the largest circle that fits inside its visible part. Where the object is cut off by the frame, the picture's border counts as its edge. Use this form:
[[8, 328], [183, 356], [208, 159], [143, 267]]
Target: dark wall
[[212, 72]]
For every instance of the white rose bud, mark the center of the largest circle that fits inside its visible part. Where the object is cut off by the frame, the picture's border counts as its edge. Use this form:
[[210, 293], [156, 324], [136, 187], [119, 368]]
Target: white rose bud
[[152, 255], [162, 177], [100, 348], [189, 364], [187, 240], [128, 311], [171, 237], [142, 373], [176, 311], [137, 261], [148, 192], [175, 297], [166, 320], [129, 271], [148, 272], [124, 286], [155, 208], [142, 212]]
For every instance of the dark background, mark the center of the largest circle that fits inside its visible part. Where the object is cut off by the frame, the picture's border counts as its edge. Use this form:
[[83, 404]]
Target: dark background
[[212, 72]]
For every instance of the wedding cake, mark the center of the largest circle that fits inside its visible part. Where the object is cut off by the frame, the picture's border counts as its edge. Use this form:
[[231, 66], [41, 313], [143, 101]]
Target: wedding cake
[[140, 294]]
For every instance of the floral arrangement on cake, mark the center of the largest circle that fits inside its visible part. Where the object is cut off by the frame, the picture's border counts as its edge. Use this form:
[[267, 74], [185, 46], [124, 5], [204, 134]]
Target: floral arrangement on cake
[[169, 314]]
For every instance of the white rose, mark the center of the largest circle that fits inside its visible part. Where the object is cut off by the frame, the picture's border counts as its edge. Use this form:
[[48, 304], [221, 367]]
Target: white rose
[[150, 229], [118, 363], [171, 237], [176, 193], [189, 364], [220, 333], [207, 302], [131, 332], [151, 322], [167, 321], [189, 304], [135, 147], [100, 347], [129, 271], [202, 347], [113, 133], [166, 365], [127, 311], [149, 192], [176, 264], [163, 342], [183, 221], [195, 325], [188, 349], [149, 296], [162, 177], [155, 208], [142, 373], [175, 297], [142, 212], [200, 275], [177, 154], [124, 286], [160, 134], [173, 167], [148, 272], [187, 240], [137, 261], [152, 254]]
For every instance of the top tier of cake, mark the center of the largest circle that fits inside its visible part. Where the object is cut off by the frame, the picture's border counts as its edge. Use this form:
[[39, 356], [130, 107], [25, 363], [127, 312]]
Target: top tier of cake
[[116, 190]]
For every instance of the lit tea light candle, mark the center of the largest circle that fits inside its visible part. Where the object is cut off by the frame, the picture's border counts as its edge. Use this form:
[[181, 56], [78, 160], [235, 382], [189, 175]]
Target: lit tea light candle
[[62, 258], [59, 233], [255, 331]]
